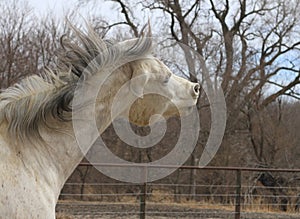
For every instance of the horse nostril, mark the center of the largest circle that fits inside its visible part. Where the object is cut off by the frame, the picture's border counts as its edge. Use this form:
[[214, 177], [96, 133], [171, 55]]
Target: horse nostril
[[197, 89]]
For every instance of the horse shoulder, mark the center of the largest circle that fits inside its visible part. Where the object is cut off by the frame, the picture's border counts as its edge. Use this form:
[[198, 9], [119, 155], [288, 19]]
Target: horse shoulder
[[21, 193]]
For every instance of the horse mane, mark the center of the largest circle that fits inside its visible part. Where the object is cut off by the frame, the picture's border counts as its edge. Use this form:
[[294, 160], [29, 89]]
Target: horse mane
[[36, 99]]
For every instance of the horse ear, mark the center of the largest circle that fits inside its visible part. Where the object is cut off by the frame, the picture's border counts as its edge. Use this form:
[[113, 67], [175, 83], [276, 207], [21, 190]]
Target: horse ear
[[147, 33], [138, 82]]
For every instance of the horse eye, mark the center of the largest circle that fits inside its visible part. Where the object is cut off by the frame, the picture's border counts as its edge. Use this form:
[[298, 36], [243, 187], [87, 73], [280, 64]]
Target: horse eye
[[166, 80]]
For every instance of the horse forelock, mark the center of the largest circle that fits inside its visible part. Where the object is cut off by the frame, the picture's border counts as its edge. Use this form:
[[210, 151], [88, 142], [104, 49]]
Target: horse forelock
[[36, 100], [87, 53]]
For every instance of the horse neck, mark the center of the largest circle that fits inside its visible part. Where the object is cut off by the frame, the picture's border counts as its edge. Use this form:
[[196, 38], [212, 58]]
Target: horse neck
[[65, 150]]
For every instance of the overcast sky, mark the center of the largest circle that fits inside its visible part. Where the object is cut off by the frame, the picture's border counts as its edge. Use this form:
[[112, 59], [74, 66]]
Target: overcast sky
[[59, 6]]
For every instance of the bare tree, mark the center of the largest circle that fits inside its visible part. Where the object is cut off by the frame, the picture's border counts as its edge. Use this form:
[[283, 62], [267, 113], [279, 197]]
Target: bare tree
[[27, 43], [14, 42], [83, 174]]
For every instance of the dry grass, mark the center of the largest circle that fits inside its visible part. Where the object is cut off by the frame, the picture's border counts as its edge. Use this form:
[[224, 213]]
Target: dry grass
[[63, 216], [162, 202], [187, 209]]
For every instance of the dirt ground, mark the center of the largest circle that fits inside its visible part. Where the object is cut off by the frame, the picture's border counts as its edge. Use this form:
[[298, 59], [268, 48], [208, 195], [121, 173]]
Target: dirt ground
[[84, 210]]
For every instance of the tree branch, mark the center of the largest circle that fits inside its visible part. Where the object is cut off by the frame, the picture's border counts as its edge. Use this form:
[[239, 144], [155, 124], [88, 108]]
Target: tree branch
[[127, 18]]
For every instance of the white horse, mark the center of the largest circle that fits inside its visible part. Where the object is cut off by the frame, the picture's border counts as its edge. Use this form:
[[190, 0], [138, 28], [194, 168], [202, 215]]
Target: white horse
[[38, 148]]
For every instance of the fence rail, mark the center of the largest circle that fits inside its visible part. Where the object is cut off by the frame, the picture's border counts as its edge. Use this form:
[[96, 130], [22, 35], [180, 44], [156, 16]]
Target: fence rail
[[244, 197]]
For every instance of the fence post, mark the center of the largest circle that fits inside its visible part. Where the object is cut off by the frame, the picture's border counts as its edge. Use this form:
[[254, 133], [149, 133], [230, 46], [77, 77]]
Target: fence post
[[238, 194], [143, 195]]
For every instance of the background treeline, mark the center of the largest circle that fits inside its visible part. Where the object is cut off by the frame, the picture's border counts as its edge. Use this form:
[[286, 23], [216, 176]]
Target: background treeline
[[251, 49]]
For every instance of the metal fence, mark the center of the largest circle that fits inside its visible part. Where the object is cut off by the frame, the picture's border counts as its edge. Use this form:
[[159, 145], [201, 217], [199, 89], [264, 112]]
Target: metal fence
[[243, 193]]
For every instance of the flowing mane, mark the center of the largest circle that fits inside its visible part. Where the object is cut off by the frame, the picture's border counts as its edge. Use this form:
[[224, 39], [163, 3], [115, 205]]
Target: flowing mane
[[36, 99]]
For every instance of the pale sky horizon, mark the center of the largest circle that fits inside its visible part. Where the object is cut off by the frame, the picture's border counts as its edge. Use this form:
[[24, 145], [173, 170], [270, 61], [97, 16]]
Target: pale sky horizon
[[59, 6]]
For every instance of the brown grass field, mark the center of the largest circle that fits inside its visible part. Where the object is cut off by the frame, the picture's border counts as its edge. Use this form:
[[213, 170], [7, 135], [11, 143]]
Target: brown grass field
[[127, 210]]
